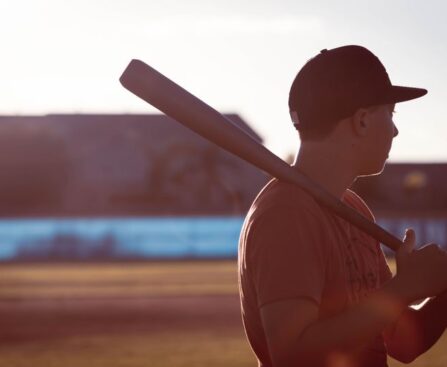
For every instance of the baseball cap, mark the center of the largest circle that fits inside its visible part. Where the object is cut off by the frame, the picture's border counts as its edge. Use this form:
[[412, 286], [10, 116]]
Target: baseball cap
[[335, 83]]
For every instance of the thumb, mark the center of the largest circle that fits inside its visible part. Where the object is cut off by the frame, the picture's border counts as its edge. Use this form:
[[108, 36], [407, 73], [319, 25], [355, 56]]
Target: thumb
[[409, 240]]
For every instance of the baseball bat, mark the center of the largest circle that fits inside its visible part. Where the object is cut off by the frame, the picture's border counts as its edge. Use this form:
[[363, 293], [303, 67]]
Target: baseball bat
[[171, 99]]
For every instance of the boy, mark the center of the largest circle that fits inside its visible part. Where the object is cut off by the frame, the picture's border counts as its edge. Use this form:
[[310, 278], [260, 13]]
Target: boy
[[316, 291]]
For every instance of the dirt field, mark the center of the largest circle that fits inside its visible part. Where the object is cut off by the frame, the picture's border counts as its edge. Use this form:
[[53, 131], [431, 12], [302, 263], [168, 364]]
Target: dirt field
[[148, 314], [152, 314]]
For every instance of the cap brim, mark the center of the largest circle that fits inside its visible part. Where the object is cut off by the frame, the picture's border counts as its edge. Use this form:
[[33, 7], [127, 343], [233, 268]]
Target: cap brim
[[402, 94]]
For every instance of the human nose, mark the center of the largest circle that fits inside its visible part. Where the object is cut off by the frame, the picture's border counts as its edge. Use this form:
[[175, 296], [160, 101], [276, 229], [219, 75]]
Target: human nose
[[396, 131]]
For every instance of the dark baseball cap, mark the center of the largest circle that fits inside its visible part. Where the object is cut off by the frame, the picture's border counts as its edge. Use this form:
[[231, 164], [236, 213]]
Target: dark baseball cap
[[335, 83]]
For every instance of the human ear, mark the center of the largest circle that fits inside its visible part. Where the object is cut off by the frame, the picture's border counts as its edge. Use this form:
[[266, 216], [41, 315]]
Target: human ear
[[360, 122]]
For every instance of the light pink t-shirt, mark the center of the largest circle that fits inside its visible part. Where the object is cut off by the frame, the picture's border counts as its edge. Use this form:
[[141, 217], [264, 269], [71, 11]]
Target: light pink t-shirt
[[291, 247]]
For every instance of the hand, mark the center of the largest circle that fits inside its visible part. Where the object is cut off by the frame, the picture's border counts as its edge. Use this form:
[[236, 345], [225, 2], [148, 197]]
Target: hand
[[423, 272]]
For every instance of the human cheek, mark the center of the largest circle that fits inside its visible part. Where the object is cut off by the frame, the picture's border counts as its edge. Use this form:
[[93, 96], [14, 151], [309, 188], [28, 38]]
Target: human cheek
[[389, 134], [384, 135], [390, 130]]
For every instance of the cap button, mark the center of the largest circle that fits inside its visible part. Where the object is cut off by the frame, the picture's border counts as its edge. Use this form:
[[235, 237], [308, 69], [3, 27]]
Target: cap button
[[323, 51]]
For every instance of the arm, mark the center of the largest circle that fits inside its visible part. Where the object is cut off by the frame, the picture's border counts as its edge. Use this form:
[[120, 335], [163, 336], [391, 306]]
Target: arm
[[295, 335], [416, 331]]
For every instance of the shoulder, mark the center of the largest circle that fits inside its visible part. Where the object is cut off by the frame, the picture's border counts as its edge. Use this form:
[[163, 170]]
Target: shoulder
[[283, 210], [282, 196]]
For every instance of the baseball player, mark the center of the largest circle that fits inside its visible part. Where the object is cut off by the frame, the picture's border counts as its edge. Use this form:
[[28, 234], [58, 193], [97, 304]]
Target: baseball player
[[315, 290]]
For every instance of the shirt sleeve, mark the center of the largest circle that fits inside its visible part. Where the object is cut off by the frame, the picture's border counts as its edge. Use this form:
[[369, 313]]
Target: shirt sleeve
[[289, 257]]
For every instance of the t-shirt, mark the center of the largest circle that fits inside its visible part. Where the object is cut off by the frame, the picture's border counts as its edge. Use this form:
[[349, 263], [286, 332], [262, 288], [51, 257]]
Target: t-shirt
[[291, 247]]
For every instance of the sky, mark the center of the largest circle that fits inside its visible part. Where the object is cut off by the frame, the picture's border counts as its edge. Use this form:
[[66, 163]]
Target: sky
[[61, 56]]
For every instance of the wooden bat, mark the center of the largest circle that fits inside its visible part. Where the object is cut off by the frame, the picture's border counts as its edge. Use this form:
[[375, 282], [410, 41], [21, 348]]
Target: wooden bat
[[162, 93]]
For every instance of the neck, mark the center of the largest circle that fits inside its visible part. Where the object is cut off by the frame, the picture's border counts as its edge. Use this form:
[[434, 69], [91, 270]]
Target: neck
[[330, 168]]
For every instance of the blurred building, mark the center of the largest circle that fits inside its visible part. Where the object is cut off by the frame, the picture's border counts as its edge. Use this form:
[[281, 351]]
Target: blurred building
[[89, 165], [124, 165], [409, 195]]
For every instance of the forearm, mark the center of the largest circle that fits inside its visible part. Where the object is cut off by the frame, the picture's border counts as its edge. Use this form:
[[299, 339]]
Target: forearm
[[416, 331], [355, 327]]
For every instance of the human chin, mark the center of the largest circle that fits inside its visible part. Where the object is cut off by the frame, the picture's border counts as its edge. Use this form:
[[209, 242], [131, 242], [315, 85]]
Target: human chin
[[373, 168]]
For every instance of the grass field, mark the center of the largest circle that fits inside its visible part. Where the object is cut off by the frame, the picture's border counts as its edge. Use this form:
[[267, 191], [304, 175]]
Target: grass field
[[128, 314]]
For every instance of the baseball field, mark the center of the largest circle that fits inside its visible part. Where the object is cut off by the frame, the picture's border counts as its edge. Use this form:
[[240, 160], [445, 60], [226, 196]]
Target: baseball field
[[128, 315]]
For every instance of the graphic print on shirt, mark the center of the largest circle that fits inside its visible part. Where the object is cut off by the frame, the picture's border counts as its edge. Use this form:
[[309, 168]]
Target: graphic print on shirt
[[362, 275]]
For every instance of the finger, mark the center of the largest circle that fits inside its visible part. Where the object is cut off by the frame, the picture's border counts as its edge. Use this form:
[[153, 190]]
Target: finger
[[409, 240]]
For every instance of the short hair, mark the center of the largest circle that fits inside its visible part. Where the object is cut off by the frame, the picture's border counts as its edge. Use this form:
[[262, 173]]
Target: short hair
[[315, 131], [319, 131]]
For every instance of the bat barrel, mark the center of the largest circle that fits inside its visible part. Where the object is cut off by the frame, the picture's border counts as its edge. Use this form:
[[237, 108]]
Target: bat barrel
[[162, 93]]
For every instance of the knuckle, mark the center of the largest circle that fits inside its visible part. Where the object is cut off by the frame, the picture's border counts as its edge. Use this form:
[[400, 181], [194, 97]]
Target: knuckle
[[432, 247], [423, 250]]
